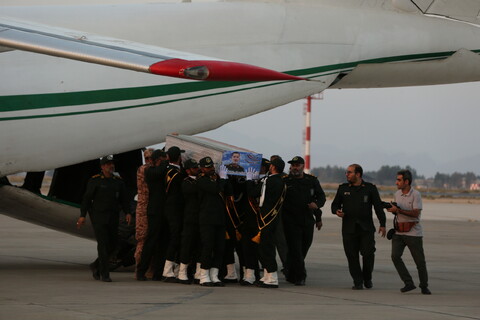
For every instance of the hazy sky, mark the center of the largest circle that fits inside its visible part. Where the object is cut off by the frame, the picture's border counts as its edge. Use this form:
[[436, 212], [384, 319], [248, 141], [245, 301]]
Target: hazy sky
[[433, 129]]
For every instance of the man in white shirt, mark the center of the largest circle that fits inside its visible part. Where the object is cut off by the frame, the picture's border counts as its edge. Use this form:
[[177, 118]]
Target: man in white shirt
[[408, 232]]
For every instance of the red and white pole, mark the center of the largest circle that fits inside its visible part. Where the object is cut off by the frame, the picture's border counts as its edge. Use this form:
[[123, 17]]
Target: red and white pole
[[308, 122], [308, 130]]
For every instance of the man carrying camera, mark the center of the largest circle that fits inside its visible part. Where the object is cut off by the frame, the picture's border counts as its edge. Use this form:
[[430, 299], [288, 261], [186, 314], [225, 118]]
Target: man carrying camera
[[408, 232]]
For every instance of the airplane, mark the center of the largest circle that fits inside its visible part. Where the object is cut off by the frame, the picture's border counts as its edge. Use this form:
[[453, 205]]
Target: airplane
[[82, 80]]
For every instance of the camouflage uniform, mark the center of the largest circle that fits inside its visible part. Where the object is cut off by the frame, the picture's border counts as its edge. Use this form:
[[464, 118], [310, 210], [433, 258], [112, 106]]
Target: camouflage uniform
[[141, 212]]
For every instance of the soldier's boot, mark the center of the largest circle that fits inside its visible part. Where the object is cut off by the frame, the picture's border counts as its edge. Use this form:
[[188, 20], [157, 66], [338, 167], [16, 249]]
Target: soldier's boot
[[214, 278], [168, 274], [231, 276], [248, 277], [205, 278], [271, 280], [182, 274], [196, 276]]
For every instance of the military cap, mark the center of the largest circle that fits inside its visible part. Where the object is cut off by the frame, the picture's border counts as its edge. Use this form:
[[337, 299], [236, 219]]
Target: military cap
[[296, 160], [106, 159], [206, 162], [190, 163], [278, 163], [174, 152], [157, 154], [265, 162]]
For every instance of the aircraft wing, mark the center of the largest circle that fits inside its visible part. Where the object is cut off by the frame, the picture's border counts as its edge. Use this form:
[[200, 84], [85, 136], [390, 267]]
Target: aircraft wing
[[76, 45], [464, 10], [462, 66]]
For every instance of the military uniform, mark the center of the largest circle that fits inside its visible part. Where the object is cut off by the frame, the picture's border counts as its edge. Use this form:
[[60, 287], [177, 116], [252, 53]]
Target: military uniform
[[154, 246], [190, 238], [211, 219], [141, 224], [358, 230], [235, 167], [173, 215], [249, 229], [299, 221], [102, 200], [267, 217], [234, 194]]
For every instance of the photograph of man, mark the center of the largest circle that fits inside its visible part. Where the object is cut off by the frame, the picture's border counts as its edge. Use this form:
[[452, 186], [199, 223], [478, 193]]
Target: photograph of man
[[235, 166], [408, 232], [353, 204], [301, 214], [104, 196]]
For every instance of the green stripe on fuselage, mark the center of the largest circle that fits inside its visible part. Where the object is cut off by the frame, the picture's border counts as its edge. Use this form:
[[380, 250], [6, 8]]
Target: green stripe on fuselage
[[51, 100]]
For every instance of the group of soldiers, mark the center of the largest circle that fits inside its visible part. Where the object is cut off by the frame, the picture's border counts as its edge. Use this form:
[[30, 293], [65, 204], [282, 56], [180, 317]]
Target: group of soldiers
[[192, 218]]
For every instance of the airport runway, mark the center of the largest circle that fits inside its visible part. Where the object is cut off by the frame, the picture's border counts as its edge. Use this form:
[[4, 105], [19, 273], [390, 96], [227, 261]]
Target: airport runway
[[44, 275]]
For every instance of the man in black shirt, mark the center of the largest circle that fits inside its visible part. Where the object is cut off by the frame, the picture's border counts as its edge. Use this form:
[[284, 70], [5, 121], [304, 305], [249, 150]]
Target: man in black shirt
[[190, 238], [301, 212], [173, 210], [271, 194], [211, 188], [353, 203], [104, 195]]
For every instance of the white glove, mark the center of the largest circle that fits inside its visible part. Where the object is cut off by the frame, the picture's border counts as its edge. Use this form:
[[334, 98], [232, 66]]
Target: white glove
[[249, 173], [256, 175], [222, 172]]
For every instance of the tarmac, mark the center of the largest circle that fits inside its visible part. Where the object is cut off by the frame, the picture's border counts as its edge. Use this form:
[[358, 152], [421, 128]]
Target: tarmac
[[44, 275]]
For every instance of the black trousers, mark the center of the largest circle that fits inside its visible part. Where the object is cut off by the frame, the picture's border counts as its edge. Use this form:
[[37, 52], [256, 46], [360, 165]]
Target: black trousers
[[250, 253], [174, 223], [213, 245], [281, 242], [267, 247], [190, 243], [154, 247], [299, 239], [106, 235], [360, 242], [415, 245]]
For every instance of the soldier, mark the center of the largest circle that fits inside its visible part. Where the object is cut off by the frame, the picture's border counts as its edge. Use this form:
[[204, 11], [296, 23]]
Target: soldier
[[142, 202], [153, 251], [173, 210], [249, 229], [104, 195], [301, 212], [190, 241], [271, 193], [353, 204], [211, 220], [234, 220]]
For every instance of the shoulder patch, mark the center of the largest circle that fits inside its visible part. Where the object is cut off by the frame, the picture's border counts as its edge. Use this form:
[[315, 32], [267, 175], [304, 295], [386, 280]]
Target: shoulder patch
[[96, 176]]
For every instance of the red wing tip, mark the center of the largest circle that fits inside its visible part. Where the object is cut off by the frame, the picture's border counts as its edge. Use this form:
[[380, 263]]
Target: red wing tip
[[211, 70]]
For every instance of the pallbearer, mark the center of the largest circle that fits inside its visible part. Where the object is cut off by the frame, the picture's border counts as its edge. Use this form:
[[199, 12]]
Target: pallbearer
[[190, 240], [211, 189], [271, 192], [173, 210]]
